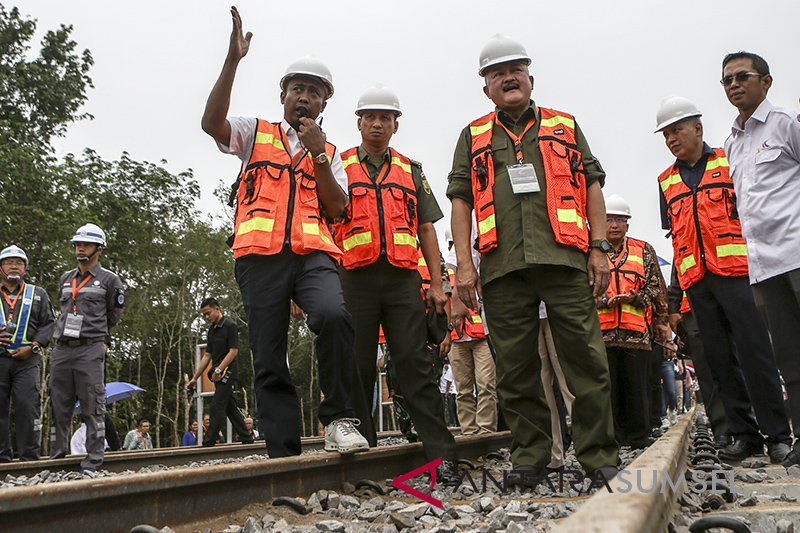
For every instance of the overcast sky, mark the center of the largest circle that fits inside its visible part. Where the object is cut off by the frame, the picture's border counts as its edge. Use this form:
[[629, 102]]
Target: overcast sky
[[608, 63]]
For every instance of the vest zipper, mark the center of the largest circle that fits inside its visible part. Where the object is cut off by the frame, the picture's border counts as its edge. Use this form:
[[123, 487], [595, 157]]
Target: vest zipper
[[697, 228], [290, 209]]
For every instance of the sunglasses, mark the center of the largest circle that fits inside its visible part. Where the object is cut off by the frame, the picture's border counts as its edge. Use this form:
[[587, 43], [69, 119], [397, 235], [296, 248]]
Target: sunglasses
[[740, 77]]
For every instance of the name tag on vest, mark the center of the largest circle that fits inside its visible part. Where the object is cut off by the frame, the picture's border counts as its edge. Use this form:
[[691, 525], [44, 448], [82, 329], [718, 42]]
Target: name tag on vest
[[523, 178]]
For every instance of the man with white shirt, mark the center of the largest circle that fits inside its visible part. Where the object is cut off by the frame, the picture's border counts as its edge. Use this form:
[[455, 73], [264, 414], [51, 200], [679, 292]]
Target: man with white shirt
[[764, 153], [290, 185]]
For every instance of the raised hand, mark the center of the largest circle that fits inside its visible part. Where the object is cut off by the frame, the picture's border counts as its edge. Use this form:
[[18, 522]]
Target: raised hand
[[240, 43]]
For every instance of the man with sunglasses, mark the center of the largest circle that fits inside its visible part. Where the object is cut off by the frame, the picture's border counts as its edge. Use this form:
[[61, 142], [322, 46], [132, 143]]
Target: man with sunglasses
[[699, 208], [290, 186], [529, 175], [764, 153]]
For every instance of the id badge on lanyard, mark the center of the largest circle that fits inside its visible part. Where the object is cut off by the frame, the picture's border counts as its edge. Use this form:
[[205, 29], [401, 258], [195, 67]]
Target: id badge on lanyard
[[523, 178], [72, 326]]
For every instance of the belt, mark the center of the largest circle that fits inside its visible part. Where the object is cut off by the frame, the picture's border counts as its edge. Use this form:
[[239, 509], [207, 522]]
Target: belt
[[79, 342]]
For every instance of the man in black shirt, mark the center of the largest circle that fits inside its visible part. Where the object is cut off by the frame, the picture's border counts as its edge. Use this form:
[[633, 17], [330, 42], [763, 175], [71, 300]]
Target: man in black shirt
[[222, 347]]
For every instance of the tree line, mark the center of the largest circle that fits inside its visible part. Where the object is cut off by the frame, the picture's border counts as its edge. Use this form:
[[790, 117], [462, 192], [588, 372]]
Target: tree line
[[168, 253]]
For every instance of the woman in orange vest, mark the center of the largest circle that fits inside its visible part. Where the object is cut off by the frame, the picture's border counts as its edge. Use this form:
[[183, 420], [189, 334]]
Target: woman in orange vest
[[391, 205], [291, 181]]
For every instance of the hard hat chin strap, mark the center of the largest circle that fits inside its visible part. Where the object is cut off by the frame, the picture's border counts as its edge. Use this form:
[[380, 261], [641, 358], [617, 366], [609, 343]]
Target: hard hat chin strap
[[89, 257]]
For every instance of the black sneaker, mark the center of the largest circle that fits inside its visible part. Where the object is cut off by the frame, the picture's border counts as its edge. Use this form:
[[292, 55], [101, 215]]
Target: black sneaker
[[740, 450], [777, 452], [793, 457], [526, 477]]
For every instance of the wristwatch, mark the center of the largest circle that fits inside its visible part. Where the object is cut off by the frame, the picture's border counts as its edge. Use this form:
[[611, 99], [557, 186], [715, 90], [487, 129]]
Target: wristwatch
[[601, 244], [217, 371], [321, 158], [36, 349]]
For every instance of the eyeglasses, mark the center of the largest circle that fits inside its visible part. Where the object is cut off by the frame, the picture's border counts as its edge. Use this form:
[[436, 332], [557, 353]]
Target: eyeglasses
[[618, 220], [740, 77]]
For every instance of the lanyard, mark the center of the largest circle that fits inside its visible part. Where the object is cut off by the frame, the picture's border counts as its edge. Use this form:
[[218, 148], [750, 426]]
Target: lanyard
[[77, 289], [518, 139], [12, 303]]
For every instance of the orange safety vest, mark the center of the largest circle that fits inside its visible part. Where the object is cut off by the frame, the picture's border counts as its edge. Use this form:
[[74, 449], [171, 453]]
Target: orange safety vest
[[705, 233], [382, 215], [627, 274], [424, 273], [685, 307], [473, 325], [565, 179], [276, 200]]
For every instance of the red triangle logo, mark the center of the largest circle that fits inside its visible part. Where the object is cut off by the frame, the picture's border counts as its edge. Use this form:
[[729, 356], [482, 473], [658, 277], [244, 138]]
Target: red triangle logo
[[399, 484]]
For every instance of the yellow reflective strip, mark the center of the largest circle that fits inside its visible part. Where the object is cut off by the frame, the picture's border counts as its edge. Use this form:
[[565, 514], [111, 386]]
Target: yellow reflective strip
[[687, 263], [476, 319], [399, 162], [727, 250], [421, 262], [716, 163], [310, 228], [569, 215], [325, 238], [256, 224], [636, 259], [671, 180], [604, 310], [486, 225], [352, 160], [483, 128], [405, 238], [357, 240], [558, 119], [268, 138], [631, 310]]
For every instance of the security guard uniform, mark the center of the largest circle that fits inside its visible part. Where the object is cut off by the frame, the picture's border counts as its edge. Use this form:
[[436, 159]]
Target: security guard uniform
[[379, 292], [77, 368], [527, 264], [29, 309]]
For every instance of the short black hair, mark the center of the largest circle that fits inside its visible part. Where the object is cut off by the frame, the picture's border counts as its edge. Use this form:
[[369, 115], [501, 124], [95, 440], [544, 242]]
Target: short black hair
[[142, 421], [209, 302], [759, 63]]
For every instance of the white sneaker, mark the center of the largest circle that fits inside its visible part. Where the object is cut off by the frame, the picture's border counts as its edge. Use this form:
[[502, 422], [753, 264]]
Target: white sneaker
[[342, 436], [673, 418]]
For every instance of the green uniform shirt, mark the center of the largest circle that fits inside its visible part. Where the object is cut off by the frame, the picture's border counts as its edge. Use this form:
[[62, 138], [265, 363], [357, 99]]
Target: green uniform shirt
[[524, 234], [427, 207]]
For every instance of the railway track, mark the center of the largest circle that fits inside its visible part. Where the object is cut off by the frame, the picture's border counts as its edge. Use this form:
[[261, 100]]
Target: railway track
[[186, 494]]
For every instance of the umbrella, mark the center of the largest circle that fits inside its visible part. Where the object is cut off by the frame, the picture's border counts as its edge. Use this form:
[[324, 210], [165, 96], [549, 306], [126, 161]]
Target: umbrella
[[116, 391]]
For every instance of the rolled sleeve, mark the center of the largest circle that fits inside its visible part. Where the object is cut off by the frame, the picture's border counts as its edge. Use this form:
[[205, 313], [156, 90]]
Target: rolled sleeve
[[460, 178]]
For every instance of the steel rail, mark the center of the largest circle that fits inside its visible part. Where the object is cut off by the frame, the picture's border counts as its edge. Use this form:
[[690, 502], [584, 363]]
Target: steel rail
[[187, 494]]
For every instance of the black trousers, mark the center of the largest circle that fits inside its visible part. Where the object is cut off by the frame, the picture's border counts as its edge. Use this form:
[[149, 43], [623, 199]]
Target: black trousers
[[715, 410], [778, 300], [629, 393], [382, 294], [655, 392], [725, 310], [223, 405], [20, 380], [268, 283]]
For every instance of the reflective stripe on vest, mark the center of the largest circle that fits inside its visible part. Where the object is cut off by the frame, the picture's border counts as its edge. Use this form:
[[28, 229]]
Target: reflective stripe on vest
[[685, 307], [276, 200], [719, 246], [564, 177], [627, 274], [20, 337], [381, 217], [473, 326]]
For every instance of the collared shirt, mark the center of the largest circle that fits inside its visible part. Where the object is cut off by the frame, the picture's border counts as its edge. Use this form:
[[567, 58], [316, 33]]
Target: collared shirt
[[652, 293], [691, 176], [42, 321], [764, 156], [100, 301], [524, 234], [243, 132], [427, 207], [221, 337]]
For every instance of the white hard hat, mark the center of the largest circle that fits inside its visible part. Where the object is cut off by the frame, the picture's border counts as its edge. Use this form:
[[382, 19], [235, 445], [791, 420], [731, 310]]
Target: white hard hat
[[379, 97], [674, 109], [501, 49], [309, 66], [90, 233], [617, 205], [13, 251]]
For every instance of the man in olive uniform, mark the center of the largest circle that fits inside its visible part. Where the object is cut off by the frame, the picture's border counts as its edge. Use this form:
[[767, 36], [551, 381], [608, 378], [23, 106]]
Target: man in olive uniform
[[26, 325], [390, 206], [534, 184], [91, 299]]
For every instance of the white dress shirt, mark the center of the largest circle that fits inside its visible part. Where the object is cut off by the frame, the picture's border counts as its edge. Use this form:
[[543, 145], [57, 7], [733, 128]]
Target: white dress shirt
[[243, 131], [764, 160]]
